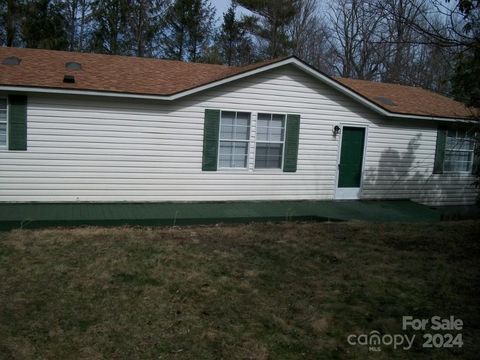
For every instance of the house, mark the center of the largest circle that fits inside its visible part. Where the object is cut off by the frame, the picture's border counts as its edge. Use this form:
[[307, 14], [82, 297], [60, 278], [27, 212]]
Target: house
[[96, 128]]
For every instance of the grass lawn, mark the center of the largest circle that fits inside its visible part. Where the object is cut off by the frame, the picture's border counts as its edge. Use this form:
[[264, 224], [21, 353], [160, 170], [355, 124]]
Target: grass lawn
[[259, 291]]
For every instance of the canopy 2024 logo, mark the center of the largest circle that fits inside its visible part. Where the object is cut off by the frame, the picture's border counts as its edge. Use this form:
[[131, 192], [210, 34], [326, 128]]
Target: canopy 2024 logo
[[448, 335]]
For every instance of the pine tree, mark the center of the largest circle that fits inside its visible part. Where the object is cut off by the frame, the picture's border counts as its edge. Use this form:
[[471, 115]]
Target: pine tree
[[44, 25], [144, 23], [110, 22], [235, 46], [187, 29], [271, 19]]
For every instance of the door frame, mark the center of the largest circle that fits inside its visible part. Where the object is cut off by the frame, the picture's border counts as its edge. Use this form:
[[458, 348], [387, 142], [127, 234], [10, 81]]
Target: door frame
[[350, 193]]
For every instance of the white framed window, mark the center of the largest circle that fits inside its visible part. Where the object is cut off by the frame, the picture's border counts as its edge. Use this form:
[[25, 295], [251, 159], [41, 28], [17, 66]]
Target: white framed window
[[3, 122], [270, 141], [233, 140], [459, 151]]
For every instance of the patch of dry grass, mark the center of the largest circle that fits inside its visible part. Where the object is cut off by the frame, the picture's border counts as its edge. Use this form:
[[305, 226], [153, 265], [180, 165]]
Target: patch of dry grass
[[259, 291]]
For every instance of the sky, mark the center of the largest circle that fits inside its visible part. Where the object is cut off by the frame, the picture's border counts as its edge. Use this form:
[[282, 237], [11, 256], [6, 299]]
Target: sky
[[221, 5]]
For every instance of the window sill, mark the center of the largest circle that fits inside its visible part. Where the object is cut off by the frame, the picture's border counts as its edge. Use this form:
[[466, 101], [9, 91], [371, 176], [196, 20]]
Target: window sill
[[268, 170], [457, 173], [235, 170]]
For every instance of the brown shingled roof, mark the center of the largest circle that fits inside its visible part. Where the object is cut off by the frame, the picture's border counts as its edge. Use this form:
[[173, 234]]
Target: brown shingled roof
[[124, 74], [408, 100]]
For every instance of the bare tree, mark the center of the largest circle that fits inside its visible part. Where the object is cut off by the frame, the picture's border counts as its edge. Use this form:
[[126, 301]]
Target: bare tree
[[10, 22], [397, 37], [309, 34], [77, 18], [355, 26], [303, 26]]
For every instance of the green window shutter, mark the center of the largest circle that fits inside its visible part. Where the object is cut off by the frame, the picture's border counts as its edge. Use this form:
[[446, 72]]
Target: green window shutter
[[476, 157], [291, 143], [211, 130], [17, 122], [440, 151]]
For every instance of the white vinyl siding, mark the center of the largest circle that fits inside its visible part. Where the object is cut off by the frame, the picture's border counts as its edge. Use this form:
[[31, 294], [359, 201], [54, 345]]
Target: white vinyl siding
[[96, 149], [3, 122]]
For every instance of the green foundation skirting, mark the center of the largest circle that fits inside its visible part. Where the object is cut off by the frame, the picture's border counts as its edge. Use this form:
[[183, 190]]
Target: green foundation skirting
[[35, 215]]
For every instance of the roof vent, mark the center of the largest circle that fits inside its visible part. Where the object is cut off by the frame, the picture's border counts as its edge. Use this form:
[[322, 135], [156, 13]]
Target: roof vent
[[385, 100], [11, 60], [69, 79], [72, 65]]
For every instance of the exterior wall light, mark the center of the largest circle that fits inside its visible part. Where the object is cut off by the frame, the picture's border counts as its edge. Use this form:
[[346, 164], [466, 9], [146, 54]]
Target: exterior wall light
[[336, 130]]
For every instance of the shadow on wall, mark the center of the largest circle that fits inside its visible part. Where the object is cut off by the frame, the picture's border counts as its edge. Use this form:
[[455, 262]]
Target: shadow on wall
[[408, 175]]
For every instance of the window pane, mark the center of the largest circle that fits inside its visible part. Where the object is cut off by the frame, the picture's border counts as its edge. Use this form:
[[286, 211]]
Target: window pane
[[242, 133], [228, 117], [274, 149], [241, 148], [3, 104], [276, 134], [452, 133], [270, 134], [226, 132], [224, 161], [264, 117], [263, 123], [3, 134], [270, 127], [234, 132], [232, 128], [239, 162], [278, 120], [3, 116], [265, 162], [457, 166], [456, 161], [451, 143], [268, 156], [453, 156], [243, 119], [226, 147], [262, 133], [459, 144], [458, 151], [466, 144], [233, 154]]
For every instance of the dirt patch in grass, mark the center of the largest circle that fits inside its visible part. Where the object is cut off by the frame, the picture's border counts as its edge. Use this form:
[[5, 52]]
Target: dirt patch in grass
[[259, 291]]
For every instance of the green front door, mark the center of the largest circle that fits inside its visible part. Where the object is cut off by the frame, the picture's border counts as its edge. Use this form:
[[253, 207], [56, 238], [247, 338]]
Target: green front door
[[351, 157]]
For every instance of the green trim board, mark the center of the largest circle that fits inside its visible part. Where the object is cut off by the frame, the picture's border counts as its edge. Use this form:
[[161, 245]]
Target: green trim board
[[34, 215]]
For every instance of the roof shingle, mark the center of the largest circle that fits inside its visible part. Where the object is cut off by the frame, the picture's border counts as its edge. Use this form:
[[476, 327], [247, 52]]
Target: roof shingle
[[408, 100], [124, 74]]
